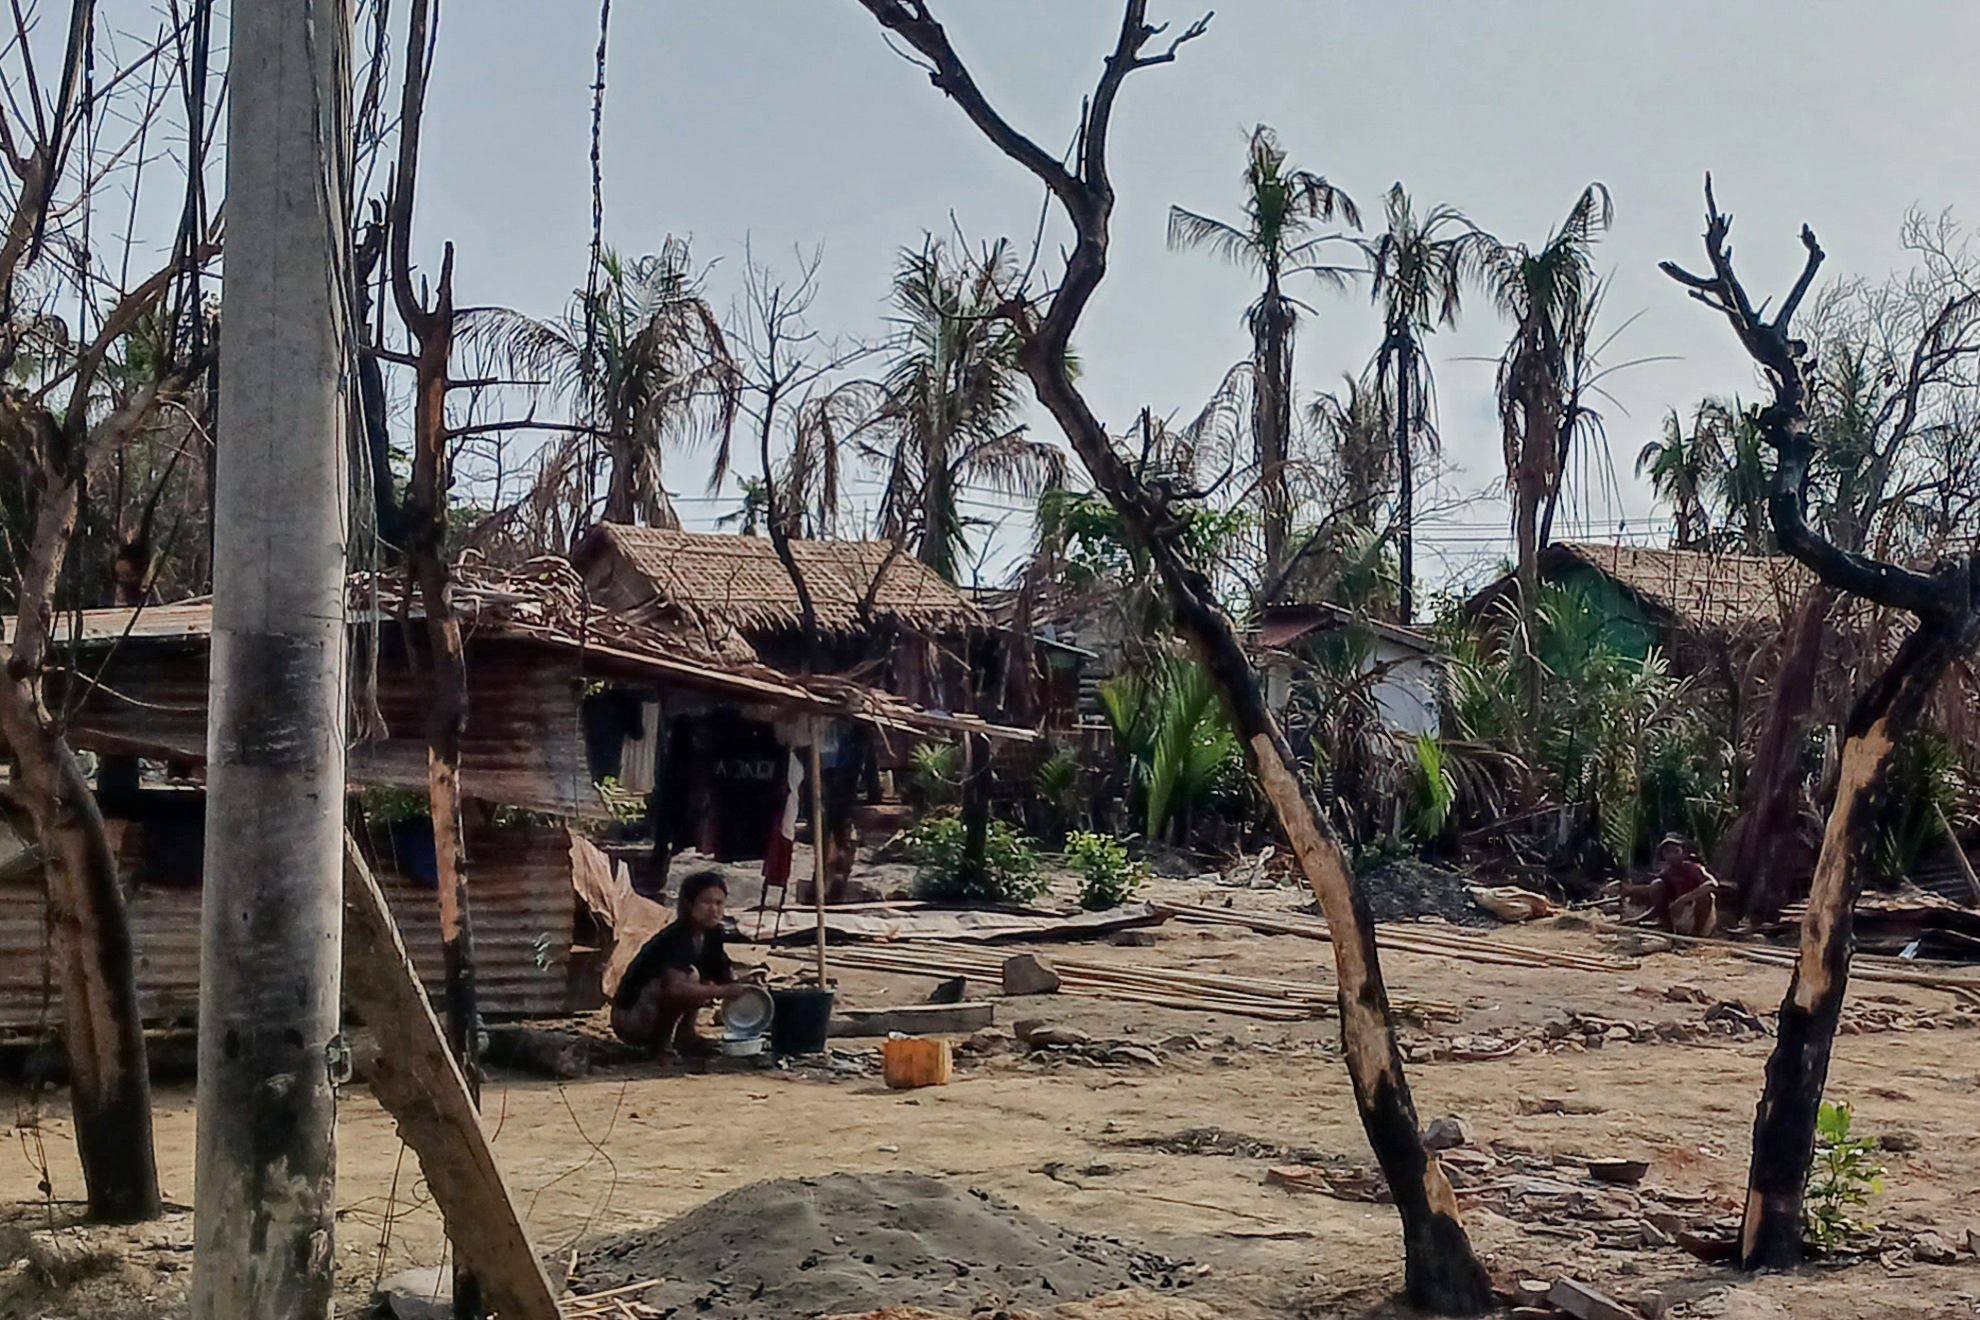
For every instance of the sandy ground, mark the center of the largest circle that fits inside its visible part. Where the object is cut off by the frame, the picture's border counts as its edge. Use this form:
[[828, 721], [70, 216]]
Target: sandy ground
[[1069, 1141]]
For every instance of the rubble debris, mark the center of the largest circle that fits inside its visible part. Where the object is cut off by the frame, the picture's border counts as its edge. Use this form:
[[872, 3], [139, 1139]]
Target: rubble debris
[[988, 1041], [425, 1293], [1029, 974], [557, 1055], [1585, 1303], [1623, 1172], [1930, 1249], [1446, 1133], [1345, 1184], [63, 1257], [1407, 889], [1566, 1105], [954, 990]]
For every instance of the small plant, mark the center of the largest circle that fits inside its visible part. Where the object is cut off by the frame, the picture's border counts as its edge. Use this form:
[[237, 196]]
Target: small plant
[[626, 806], [385, 805], [1009, 873], [1108, 877], [1842, 1180], [1057, 783], [1436, 790], [935, 775]]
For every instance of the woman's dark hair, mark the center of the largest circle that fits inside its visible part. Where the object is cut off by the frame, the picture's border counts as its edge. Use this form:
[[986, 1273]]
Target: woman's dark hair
[[695, 886]]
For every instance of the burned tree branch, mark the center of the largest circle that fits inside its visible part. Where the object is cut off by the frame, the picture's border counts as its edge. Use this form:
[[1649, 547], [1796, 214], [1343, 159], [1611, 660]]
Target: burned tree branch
[[1947, 605], [1785, 425], [1442, 1272]]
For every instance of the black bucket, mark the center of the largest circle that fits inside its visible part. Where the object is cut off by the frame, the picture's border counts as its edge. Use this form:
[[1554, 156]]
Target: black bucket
[[800, 1025]]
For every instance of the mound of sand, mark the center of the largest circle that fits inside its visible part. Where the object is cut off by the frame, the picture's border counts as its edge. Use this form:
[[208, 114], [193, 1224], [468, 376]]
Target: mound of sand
[[855, 1243]]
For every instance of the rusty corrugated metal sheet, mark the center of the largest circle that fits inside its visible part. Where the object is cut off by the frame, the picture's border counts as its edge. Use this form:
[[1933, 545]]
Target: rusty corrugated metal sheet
[[520, 886], [524, 745]]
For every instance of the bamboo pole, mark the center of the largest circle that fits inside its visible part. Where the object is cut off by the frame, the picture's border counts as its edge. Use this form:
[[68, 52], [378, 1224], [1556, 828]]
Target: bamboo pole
[[1411, 941], [818, 841], [1958, 851]]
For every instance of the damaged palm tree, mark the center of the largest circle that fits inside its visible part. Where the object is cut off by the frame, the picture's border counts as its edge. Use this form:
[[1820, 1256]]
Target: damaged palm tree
[[1945, 601], [1442, 1272]]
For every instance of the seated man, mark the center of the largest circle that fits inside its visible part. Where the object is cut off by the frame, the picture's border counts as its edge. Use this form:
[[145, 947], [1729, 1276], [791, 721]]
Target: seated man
[[1684, 898], [677, 973]]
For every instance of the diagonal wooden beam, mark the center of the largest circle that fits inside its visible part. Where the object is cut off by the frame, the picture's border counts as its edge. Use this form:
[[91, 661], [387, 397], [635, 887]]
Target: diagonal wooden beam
[[419, 1083]]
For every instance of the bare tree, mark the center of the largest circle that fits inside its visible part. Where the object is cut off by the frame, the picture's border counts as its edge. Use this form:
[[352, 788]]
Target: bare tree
[[1442, 1272], [1945, 601], [67, 420]]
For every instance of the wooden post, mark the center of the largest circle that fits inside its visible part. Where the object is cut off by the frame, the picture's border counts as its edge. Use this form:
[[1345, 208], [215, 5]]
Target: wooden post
[[420, 1083], [265, 1219], [818, 840]]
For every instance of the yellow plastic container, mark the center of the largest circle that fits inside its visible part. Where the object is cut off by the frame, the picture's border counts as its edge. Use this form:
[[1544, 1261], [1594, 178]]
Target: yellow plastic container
[[908, 1062]]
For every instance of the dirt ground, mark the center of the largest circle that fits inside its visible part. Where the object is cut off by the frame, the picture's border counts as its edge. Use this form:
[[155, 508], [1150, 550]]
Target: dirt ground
[[1661, 1061]]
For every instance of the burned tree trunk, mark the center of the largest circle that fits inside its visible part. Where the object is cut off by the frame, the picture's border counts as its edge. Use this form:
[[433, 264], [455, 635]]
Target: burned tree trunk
[[1405, 486], [446, 720], [110, 1089], [1784, 1127], [88, 925], [1946, 603], [1759, 850], [1442, 1272], [425, 519]]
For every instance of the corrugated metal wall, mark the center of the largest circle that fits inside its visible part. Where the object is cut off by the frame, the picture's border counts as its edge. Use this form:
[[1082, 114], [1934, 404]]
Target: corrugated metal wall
[[520, 891], [524, 745]]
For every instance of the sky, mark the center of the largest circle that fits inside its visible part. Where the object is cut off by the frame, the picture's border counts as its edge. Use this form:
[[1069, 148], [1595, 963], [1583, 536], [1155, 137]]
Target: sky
[[790, 125]]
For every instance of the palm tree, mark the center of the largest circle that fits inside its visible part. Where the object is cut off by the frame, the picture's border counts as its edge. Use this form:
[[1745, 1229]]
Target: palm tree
[[947, 415], [1744, 475], [1549, 294], [642, 357], [1682, 469], [1353, 426], [1418, 266], [1275, 240], [749, 515]]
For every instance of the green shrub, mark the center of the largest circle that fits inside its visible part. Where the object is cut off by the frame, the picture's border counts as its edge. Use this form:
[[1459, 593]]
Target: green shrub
[[1009, 873], [1842, 1180], [935, 776], [1108, 877]]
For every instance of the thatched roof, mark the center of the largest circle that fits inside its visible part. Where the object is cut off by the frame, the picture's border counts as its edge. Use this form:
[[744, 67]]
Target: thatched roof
[[1693, 589], [713, 578]]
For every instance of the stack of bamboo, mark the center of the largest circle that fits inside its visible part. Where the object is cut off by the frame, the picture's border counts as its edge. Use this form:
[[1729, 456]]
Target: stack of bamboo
[[1430, 941], [1159, 987]]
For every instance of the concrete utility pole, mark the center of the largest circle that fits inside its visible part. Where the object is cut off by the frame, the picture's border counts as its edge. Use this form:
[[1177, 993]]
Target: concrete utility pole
[[272, 916]]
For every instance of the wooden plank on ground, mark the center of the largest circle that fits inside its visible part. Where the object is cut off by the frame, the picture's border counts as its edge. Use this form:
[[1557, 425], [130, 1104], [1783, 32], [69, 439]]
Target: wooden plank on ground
[[419, 1084], [914, 1019]]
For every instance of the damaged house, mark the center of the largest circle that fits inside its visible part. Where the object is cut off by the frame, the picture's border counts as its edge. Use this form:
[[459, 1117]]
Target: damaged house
[[541, 666]]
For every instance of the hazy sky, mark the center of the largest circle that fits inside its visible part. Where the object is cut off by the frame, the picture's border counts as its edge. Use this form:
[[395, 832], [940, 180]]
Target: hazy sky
[[790, 122]]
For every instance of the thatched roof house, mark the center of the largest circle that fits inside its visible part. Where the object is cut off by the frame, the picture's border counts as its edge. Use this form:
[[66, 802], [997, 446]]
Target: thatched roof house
[[708, 577], [882, 614], [1650, 594]]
